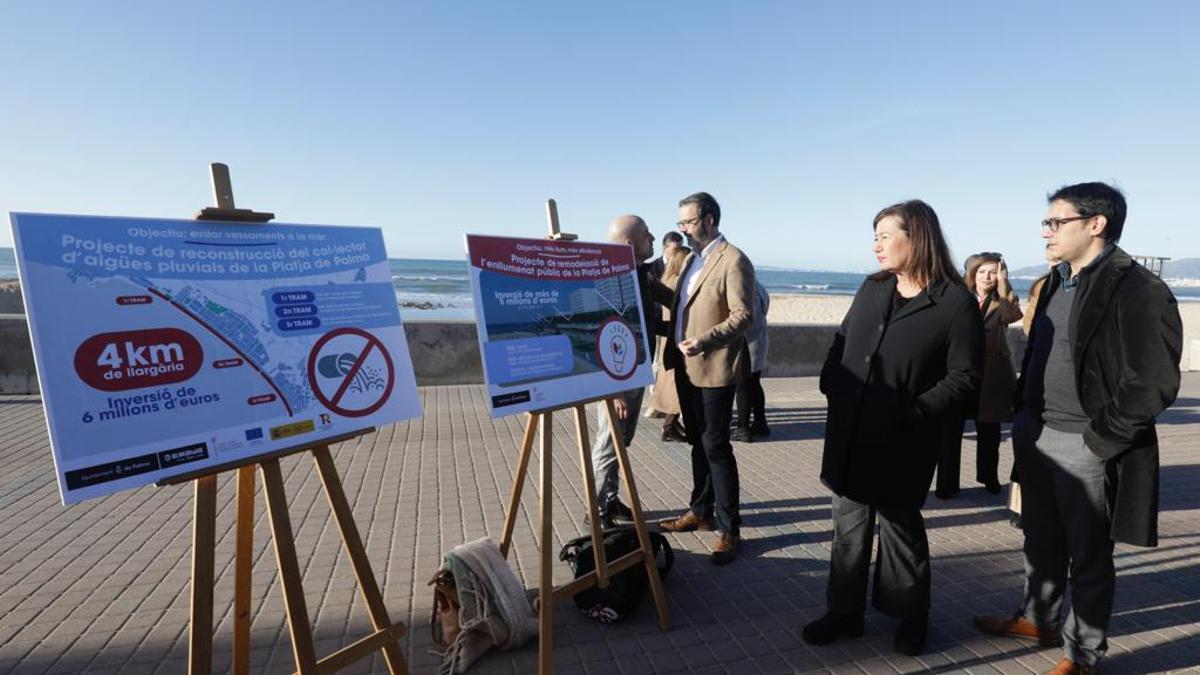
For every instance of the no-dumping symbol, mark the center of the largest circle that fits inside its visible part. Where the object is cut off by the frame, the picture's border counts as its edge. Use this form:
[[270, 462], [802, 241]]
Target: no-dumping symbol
[[350, 372]]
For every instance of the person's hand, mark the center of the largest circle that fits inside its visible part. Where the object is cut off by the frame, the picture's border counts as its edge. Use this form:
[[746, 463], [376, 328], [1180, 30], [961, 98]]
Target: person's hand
[[689, 347], [622, 408], [1002, 272]]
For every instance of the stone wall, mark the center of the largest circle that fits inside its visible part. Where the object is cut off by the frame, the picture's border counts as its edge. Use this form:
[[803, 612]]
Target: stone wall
[[447, 352]]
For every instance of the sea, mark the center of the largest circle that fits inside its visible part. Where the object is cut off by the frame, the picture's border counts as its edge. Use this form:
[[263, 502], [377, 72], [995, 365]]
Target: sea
[[441, 289]]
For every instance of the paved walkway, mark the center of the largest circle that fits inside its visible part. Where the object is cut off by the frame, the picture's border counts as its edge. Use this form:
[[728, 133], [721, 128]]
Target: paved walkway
[[102, 586]]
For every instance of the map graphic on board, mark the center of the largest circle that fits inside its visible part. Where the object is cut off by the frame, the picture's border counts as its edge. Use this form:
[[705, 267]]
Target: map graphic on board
[[559, 322], [166, 346]]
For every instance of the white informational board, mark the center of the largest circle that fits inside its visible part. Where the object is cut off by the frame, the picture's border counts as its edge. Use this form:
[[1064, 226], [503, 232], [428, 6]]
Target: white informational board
[[167, 346], [559, 321]]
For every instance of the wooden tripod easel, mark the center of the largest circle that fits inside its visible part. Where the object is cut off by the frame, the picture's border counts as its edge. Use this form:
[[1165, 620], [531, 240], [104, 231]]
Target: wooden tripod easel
[[539, 422], [200, 637]]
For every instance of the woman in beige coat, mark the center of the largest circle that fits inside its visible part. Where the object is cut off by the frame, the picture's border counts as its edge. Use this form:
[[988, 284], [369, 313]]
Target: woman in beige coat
[[665, 398], [987, 278]]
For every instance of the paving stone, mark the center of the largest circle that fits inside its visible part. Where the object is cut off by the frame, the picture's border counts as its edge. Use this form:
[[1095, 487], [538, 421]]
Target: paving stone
[[103, 586]]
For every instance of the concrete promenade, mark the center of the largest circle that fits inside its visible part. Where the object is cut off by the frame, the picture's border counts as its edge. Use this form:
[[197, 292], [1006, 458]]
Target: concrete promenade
[[102, 587]]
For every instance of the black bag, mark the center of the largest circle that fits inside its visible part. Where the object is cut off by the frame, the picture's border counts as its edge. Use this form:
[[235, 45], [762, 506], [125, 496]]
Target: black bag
[[625, 590]]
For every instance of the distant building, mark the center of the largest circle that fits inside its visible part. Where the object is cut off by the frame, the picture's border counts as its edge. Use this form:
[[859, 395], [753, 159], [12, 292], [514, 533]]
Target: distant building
[[619, 291], [610, 295], [585, 300]]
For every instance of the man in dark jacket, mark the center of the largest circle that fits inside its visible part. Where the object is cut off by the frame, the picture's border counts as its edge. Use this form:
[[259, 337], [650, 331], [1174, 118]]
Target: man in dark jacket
[[631, 230], [1102, 362]]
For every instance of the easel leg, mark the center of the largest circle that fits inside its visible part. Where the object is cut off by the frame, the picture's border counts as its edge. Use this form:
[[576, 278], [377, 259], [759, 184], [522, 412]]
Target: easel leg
[[242, 567], [639, 521], [589, 486], [546, 572], [204, 542], [289, 568], [358, 556], [514, 499]]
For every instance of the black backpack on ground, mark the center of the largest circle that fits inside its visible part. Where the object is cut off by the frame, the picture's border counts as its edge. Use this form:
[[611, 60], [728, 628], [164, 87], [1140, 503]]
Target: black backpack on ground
[[626, 589]]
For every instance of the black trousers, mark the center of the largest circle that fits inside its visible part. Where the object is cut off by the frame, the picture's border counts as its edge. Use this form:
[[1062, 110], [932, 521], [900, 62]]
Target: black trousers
[[902, 577], [950, 455], [987, 452], [706, 414], [750, 395]]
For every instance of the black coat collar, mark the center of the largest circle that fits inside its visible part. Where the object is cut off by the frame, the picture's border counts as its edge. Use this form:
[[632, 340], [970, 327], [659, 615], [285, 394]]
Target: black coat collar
[[926, 298], [1095, 293]]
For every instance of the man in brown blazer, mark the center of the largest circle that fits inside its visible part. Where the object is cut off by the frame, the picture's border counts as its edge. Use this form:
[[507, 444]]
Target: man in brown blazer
[[711, 311]]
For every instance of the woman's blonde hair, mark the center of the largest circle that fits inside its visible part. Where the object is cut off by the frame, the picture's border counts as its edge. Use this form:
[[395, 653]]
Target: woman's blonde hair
[[674, 266]]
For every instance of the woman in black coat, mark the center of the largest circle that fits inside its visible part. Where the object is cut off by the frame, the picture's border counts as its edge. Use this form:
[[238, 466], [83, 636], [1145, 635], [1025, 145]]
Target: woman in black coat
[[907, 360]]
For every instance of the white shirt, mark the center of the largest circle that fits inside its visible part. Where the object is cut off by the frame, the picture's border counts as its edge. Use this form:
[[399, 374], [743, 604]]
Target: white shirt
[[687, 285]]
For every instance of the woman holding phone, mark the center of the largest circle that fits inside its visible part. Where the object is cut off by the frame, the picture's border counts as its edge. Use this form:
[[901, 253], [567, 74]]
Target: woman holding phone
[[987, 278], [908, 356]]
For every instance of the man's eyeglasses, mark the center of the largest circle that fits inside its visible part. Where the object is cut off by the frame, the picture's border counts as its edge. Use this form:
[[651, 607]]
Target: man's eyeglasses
[[687, 223], [1053, 224]]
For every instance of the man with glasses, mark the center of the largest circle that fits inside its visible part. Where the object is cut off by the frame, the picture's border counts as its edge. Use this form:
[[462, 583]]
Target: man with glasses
[[711, 311], [1101, 363]]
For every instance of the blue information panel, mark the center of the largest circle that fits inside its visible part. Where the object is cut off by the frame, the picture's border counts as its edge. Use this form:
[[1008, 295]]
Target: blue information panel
[[168, 346]]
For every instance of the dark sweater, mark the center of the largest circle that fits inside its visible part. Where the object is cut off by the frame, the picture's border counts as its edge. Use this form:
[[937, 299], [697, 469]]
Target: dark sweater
[[1050, 388]]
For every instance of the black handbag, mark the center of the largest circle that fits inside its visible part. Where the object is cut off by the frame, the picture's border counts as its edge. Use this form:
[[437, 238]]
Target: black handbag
[[626, 589]]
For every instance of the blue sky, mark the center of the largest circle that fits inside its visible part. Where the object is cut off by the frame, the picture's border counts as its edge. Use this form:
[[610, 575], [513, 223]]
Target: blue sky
[[431, 120]]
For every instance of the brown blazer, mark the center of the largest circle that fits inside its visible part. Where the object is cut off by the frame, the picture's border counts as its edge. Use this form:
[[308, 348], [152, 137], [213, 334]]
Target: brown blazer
[[719, 312]]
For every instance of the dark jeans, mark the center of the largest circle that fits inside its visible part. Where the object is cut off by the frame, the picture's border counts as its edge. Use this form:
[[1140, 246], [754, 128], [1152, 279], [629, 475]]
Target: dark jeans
[[902, 577], [987, 452], [706, 414]]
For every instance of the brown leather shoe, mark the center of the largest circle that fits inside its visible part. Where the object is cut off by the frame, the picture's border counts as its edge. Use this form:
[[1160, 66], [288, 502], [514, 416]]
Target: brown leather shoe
[[688, 522], [1017, 626], [1069, 667], [725, 548]]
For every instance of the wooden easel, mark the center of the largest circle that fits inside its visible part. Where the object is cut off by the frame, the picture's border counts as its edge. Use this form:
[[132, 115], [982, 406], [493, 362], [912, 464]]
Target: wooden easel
[[204, 515], [539, 422]]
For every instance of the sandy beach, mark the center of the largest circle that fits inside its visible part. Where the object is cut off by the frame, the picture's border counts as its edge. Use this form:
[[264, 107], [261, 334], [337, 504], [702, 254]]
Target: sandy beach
[[827, 309], [822, 309]]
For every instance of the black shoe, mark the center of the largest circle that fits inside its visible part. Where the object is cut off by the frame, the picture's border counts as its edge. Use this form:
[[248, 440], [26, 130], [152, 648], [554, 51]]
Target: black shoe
[[760, 429], [1014, 519], [618, 511], [827, 629], [606, 522], [674, 433], [946, 494], [741, 434], [992, 487], [910, 636]]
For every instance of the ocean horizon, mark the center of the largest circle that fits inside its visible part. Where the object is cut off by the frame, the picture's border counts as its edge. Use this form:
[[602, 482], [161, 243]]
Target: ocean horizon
[[441, 289]]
